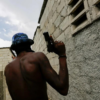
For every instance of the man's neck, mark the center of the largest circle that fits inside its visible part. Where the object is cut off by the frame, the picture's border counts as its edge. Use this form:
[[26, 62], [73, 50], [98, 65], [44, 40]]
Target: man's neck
[[22, 54]]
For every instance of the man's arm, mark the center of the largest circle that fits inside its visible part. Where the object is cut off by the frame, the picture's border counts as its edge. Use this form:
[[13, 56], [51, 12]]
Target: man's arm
[[58, 81]]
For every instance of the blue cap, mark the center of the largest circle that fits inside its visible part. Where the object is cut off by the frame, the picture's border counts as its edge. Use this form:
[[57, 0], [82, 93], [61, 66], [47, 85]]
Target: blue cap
[[19, 38]]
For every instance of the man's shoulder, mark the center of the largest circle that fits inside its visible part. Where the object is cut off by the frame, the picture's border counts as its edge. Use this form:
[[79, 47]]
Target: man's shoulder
[[41, 55], [37, 56], [10, 64], [8, 67]]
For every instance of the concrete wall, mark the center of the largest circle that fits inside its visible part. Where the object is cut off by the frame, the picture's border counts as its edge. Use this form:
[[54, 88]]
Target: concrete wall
[[77, 24], [5, 58], [1, 85]]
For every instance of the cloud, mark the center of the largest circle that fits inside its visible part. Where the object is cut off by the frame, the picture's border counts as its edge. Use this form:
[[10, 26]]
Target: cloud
[[20, 15], [4, 30], [4, 43], [7, 22], [28, 28]]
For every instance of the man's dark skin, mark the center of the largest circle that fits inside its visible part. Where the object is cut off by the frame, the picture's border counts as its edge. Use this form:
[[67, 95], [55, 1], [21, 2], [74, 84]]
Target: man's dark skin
[[26, 76]]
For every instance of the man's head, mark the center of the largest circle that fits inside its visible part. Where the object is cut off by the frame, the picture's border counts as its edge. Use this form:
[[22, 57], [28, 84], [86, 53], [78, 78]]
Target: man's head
[[21, 42]]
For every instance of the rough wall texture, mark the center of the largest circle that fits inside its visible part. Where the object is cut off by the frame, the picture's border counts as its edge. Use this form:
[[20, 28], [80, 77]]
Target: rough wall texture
[[5, 58], [62, 20]]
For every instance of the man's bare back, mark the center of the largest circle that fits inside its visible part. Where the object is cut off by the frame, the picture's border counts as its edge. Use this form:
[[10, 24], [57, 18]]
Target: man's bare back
[[25, 80], [27, 75]]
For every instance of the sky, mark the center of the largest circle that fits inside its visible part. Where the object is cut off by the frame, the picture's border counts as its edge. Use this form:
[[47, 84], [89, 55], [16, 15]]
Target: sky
[[18, 16]]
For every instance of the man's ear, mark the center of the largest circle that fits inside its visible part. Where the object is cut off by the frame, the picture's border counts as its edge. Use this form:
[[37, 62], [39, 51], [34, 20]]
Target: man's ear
[[13, 57]]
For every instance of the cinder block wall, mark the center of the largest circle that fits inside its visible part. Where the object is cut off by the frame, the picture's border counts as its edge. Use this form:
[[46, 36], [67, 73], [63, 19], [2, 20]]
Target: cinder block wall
[[77, 24], [5, 58], [1, 85]]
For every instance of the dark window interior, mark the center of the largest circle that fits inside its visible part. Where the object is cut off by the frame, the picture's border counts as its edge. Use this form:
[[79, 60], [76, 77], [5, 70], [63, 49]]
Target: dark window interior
[[98, 5], [80, 20], [74, 2], [78, 10]]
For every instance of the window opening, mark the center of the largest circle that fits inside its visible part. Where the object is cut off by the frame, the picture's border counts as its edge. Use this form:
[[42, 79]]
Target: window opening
[[78, 10], [73, 2], [80, 20], [98, 5]]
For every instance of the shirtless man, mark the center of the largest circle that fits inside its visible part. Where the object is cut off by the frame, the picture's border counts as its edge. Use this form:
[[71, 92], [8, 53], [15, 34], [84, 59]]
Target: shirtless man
[[27, 74]]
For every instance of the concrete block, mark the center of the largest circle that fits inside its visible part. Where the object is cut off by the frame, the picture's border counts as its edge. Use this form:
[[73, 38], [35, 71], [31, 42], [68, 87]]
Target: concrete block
[[67, 32], [50, 23], [47, 9], [51, 55], [44, 16], [51, 4], [52, 29], [51, 61], [58, 20], [61, 37], [66, 2], [46, 23], [56, 68], [86, 5], [95, 13], [44, 30], [45, 51], [50, 14], [55, 16], [56, 61], [64, 11], [41, 25], [56, 33], [54, 6], [90, 2], [60, 6], [65, 23], [58, 1], [96, 1]]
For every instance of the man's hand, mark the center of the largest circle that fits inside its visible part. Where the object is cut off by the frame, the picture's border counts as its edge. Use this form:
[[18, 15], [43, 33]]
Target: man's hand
[[59, 47]]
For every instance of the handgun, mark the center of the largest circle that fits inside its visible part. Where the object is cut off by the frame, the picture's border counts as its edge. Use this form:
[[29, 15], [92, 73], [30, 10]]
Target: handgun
[[50, 44]]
